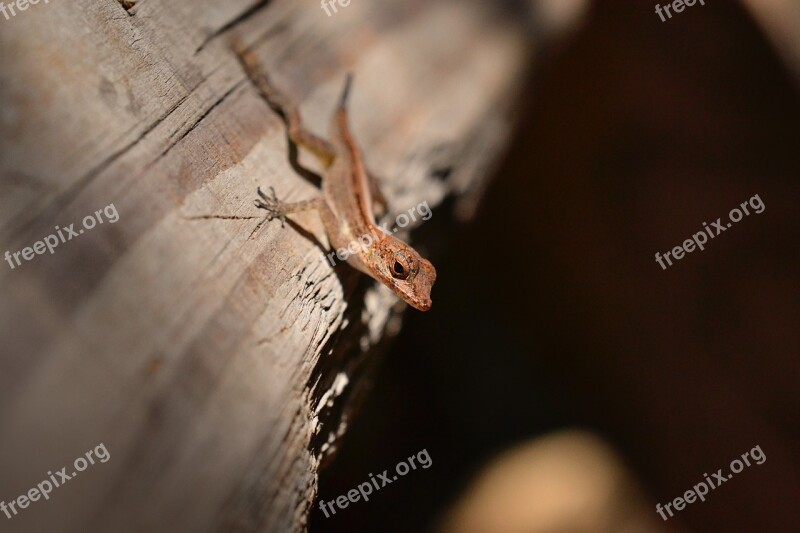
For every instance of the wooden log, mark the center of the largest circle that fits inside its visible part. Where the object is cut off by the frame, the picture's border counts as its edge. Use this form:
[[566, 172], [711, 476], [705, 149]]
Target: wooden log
[[217, 359]]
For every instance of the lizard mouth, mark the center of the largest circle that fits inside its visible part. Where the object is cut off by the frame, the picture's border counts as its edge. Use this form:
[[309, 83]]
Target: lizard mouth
[[423, 306]]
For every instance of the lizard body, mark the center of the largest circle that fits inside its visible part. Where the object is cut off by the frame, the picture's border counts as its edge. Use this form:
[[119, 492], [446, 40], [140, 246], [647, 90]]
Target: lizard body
[[348, 199]]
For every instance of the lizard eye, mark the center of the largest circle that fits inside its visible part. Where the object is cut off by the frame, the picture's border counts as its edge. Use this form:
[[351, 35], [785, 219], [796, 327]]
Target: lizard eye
[[399, 269]]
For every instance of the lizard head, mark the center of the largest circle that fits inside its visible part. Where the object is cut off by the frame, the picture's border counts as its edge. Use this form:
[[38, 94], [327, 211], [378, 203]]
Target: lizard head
[[399, 267]]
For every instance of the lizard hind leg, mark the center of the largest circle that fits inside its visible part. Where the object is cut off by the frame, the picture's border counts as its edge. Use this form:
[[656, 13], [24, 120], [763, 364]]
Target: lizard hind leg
[[287, 108]]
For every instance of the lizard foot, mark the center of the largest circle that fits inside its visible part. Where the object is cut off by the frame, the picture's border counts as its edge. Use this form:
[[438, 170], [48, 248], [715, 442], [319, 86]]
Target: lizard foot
[[271, 205]]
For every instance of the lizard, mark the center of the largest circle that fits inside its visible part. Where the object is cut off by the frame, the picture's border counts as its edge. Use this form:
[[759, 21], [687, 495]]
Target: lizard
[[348, 198]]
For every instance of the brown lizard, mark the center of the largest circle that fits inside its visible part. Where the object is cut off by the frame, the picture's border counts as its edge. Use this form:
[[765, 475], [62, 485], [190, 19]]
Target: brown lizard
[[348, 199]]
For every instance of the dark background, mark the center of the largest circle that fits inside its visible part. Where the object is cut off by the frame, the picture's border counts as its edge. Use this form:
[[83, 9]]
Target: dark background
[[550, 310]]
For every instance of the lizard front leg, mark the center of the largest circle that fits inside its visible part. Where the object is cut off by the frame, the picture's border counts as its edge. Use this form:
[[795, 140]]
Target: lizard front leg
[[333, 227], [277, 209]]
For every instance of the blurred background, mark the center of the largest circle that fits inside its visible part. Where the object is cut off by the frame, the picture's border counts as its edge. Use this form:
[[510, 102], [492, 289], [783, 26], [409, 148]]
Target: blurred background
[[556, 340]]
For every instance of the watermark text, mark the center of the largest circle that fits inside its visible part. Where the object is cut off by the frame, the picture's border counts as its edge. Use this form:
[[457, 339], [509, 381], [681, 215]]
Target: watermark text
[[700, 238], [61, 236], [45, 487], [365, 241], [385, 478], [699, 491]]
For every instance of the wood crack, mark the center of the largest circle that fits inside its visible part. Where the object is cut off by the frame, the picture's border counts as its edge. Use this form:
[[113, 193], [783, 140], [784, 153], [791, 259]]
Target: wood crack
[[255, 8], [66, 197], [199, 120]]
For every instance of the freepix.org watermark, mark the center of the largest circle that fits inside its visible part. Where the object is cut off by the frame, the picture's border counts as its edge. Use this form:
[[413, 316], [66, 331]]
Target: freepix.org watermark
[[699, 491], [328, 5], [44, 488], [677, 6], [365, 241], [61, 236], [700, 238], [365, 489], [15, 7]]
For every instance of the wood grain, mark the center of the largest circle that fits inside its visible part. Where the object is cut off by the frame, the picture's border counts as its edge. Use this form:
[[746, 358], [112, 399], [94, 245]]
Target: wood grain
[[216, 359]]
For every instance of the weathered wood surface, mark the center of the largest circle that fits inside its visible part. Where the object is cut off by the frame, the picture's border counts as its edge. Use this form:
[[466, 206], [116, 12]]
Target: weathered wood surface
[[215, 362]]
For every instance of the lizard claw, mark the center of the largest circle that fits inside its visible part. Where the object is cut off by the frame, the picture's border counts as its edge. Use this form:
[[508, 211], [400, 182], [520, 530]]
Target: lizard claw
[[271, 205]]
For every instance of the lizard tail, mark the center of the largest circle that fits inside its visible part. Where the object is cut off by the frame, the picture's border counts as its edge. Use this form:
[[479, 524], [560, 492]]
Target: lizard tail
[[348, 83]]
